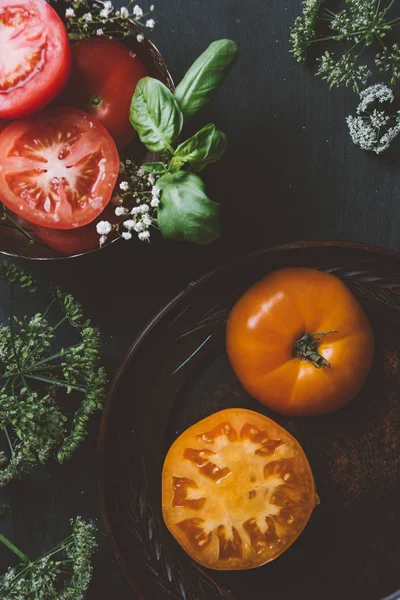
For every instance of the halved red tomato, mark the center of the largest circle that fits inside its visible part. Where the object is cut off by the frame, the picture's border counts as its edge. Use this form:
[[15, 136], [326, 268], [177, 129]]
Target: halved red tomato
[[75, 241], [103, 79], [237, 490], [58, 168], [3, 125], [35, 56]]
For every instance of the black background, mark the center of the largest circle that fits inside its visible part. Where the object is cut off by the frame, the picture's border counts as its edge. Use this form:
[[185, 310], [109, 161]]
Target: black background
[[291, 173]]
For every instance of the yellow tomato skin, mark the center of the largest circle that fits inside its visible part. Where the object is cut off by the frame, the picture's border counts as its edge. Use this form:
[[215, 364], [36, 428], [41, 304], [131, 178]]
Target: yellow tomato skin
[[237, 490], [265, 324]]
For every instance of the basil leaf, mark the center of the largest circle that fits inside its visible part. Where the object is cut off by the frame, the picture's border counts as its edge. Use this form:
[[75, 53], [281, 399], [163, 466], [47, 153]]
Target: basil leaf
[[154, 167], [185, 211], [155, 115], [205, 147], [205, 76]]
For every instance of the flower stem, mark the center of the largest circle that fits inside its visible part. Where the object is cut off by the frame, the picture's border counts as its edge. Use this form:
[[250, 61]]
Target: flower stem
[[14, 549], [56, 382]]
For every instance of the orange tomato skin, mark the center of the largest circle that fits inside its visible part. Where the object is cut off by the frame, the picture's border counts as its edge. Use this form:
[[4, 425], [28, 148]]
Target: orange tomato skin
[[272, 315]]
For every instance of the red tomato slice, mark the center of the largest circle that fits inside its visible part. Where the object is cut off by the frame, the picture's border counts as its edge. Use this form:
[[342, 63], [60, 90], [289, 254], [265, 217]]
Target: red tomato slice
[[3, 125], [35, 56], [75, 241], [102, 82], [58, 168]]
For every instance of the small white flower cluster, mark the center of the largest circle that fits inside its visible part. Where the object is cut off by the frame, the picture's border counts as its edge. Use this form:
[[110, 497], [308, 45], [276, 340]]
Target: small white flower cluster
[[103, 13], [371, 130], [139, 188], [374, 93]]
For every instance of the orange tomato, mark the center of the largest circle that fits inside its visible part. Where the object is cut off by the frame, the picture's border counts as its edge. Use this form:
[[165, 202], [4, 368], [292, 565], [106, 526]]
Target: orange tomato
[[299, 342], [237, 490]]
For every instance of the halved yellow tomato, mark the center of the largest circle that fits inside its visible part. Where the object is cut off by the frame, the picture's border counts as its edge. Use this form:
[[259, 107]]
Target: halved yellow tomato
[[237, 490]]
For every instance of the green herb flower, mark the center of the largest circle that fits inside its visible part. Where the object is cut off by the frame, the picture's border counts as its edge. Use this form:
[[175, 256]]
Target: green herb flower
[[63, 573], [36, 373]]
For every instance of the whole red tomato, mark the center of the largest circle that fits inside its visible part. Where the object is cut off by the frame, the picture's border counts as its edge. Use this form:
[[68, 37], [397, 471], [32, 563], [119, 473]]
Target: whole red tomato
[[102, 82], [299, 342], [35, 56]]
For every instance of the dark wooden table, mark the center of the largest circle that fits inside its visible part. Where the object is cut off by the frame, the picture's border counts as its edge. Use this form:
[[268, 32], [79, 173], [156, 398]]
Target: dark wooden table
[[291, 173]]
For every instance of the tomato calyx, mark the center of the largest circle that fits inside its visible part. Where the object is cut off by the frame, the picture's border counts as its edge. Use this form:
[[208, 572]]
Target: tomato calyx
[[306, 348], [96, 100]]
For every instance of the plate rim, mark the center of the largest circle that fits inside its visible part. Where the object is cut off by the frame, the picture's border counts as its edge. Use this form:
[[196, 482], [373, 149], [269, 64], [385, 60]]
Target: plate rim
[[152, 322]]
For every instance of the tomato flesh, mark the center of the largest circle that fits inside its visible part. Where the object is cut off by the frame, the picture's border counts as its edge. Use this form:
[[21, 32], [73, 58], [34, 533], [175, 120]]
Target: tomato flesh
[[58, 168], [103, 80], [237, 490], [35, 57]]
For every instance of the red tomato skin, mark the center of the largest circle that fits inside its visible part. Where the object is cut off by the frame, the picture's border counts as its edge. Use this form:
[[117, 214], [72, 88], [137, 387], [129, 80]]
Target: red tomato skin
[[47, 83], [75, 241], [3, 125], [96, 134], [108, 70]]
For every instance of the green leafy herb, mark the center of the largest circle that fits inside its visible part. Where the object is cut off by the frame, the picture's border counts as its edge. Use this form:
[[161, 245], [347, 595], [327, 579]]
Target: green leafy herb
[[205, 76], [360, 24], [36, 372], [206, 146], [186, 213], [155, 115], [63, 573], [154, 167]]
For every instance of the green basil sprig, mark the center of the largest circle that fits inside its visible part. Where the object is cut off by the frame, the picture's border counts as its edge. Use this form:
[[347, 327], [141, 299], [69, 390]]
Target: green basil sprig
[[205, 147], [205, 76], [155, 115], [185, 212]]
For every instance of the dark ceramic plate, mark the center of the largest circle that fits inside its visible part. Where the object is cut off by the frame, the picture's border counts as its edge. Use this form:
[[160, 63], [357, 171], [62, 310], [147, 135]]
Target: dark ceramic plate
[[177, 372], [14, 243]]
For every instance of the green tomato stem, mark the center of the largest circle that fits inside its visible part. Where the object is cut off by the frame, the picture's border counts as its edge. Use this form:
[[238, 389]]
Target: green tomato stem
[[306, 348]]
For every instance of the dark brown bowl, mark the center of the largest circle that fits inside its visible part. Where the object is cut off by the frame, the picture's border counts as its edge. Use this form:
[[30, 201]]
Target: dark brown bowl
[[13, 242], [177, 372]]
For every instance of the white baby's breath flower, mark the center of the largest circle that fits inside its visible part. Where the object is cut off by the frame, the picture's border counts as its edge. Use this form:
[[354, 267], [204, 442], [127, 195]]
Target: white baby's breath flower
[[102, 240], [154, 202], [124, 185], [135, 210], [99, 32], [139, 226], [103, 227], [137, 11], [88, 17], [120, 210], [144, 236], [126, 235], [104, 13], [152, 7], [151, 178], [150, 23], [124, 12], [108, 5], [147, 221], [144, 208], [129, 224], [69, 13], [140, 38]]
